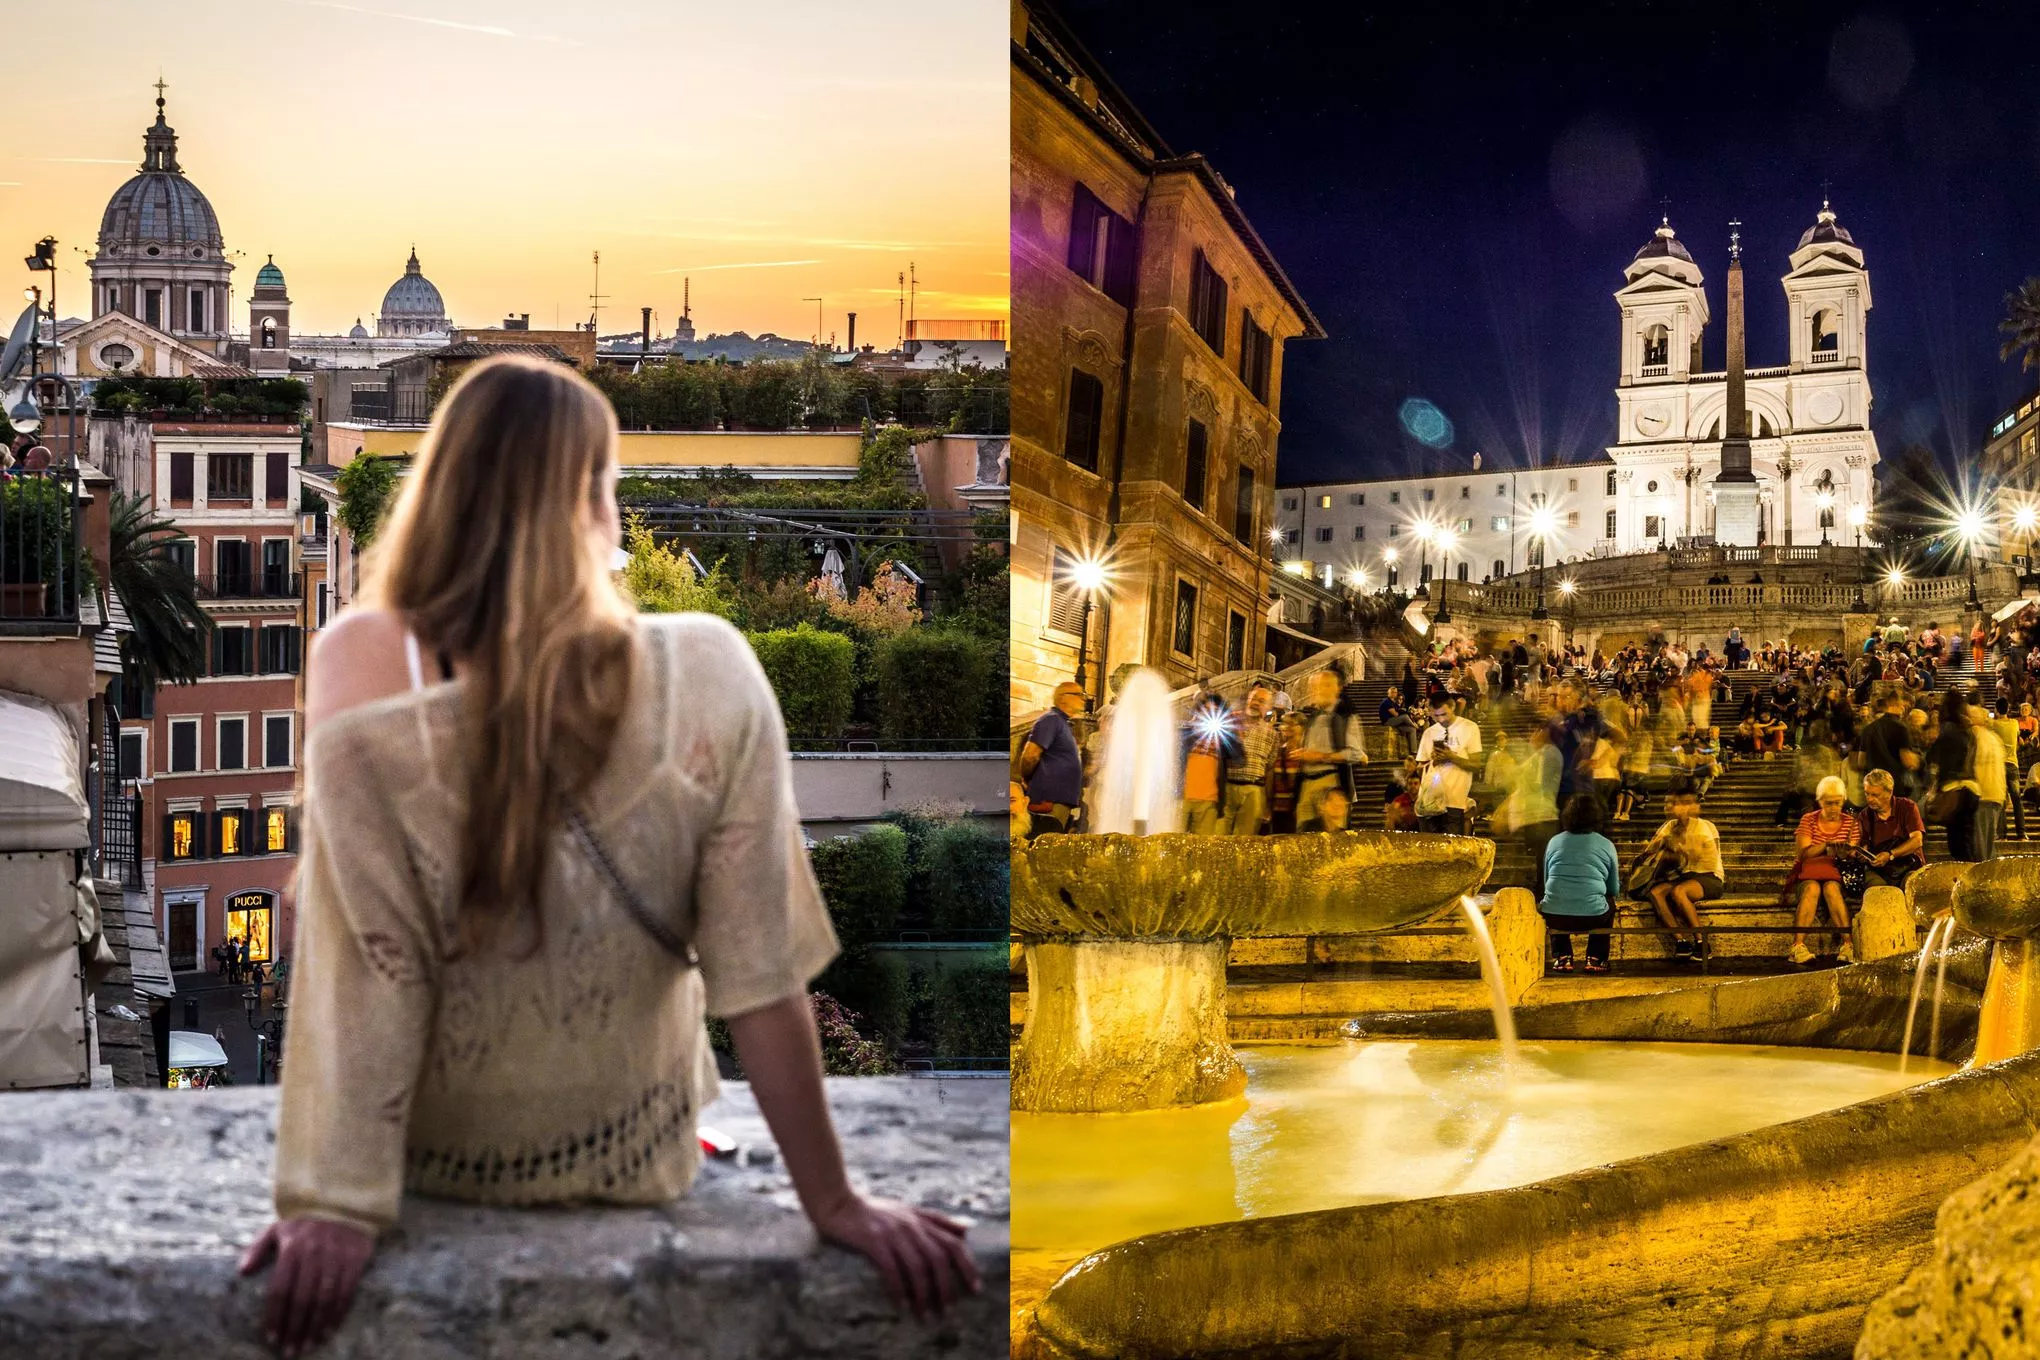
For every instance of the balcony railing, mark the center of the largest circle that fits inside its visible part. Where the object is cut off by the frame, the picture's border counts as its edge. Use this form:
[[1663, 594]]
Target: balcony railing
[[39, 549], [1656, 370], [1826, 356], [382, 406], [249, 585]]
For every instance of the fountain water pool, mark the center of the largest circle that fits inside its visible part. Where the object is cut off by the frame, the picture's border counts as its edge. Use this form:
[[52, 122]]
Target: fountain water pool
[[1363, 1122]]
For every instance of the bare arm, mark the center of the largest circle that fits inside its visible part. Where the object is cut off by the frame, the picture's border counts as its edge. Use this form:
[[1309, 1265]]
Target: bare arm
[[1030, 756], [920, 1254]]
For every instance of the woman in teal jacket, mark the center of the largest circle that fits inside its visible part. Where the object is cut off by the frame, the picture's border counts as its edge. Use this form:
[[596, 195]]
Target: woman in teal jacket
[[1582, 884]]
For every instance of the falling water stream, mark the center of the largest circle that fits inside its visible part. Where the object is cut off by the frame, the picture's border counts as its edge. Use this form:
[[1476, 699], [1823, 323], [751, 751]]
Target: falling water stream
[[1491, 969], [1138, 780], [1939, 933]]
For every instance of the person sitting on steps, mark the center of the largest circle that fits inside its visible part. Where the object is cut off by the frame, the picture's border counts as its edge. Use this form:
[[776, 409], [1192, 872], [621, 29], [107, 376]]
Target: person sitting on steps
[[1695, 875], [1816, 875]]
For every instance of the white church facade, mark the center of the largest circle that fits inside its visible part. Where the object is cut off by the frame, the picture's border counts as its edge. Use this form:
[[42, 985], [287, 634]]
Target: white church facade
[[1811, 448]]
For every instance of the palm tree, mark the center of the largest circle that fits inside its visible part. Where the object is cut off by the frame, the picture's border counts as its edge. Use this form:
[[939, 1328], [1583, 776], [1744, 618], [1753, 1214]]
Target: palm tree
[[169, 641], [2021, 325]]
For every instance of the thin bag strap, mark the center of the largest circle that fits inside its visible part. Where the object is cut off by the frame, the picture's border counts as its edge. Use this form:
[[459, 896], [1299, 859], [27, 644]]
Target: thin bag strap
[[674, 943]]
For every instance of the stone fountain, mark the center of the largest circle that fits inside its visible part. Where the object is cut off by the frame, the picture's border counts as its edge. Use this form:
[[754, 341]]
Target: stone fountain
[[1127, 937]]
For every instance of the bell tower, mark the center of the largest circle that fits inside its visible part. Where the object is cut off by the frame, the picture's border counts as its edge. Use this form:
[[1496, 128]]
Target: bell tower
[[1664, 311], [269, 323], [1827, 298]]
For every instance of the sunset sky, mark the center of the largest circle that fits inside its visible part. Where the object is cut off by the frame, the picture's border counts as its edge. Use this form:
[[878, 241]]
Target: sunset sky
[[772, 152]]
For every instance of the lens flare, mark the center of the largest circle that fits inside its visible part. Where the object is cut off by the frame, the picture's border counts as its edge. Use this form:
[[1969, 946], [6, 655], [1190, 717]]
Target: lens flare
[[1425, 423]]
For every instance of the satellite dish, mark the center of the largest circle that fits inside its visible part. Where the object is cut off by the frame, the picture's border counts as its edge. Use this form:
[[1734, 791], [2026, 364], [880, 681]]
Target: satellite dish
[[17, 341]]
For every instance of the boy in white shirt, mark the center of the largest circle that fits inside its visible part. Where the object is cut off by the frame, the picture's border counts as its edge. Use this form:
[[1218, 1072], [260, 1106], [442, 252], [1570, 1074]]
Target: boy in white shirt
[[1449, 753]]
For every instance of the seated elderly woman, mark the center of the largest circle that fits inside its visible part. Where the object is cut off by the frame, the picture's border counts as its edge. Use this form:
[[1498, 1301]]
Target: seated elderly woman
[[1815, 878]]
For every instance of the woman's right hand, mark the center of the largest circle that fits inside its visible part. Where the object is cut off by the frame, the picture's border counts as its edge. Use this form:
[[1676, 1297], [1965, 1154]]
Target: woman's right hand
[[920, 1254]]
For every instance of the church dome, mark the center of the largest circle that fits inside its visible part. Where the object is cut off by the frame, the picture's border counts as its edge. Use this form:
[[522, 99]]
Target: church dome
[[1825, 228], [269, 276], [159, 208], [360, 332], [1664, 244], [413, 295]]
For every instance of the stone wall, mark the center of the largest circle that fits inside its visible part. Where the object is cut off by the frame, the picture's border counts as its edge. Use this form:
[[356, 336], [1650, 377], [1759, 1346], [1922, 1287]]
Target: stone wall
[[127, 1212]]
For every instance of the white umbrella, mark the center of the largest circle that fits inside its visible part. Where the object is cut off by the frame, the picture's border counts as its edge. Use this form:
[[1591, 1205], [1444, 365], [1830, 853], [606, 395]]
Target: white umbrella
[[2014, 607], [832, 573]]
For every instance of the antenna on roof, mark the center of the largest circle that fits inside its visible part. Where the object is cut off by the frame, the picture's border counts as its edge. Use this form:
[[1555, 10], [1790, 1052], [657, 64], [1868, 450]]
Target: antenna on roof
[[595, 298]]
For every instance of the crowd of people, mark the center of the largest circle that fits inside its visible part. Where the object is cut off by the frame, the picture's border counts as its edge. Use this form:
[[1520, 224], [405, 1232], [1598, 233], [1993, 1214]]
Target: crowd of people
[[1909, 728]]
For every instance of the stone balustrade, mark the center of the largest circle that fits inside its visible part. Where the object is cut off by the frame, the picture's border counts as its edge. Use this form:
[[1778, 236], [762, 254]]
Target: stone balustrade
[[127, 1212]]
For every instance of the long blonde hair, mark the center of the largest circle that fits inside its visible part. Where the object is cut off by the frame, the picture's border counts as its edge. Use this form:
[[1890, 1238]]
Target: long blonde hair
[[487, 556]]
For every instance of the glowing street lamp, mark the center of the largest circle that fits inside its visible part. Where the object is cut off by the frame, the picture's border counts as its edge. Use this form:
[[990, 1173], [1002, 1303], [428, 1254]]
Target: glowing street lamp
[[1357, 578], [1826, 501], [1969, 527], [1425, 532], [1089, 575], [1542, 522], [1858, 517], [1447, 541]]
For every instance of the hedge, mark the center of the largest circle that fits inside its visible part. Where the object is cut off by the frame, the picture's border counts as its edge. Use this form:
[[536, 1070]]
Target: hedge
[[864, 881], [931, 684], [969, 877], [972, 1017], [813, 673]]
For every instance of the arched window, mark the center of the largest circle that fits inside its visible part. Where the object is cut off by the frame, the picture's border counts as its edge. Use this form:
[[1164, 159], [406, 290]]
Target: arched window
[[1826, 338], [269, 332], [1761, 423], [1657, 345], [1462, 571], [1714, 430], [1501, 569]]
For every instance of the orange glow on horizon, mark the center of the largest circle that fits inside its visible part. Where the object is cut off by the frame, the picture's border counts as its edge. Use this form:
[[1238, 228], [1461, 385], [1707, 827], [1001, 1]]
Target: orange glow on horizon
[[767, 153]]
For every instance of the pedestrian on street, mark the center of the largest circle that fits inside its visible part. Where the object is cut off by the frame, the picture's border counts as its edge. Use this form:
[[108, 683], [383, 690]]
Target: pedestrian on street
[[1050, 767], [584, 797]]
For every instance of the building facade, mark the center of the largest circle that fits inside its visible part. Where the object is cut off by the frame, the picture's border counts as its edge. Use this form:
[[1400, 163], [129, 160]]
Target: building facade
[[2011, 466], [1811, 448], [218, 759], [412, 305], [1150, 321]]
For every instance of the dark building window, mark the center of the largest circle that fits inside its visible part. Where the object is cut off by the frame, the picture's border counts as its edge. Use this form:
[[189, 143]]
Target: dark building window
[[233, 650], [279, 649], [1324, 533], [276, 751], [1462, 571], [1243, 507], [152, 307], [184, 552], [234, 576], [183, 747], [233, 743], [1359, 532], [276, 567], [180, 476], [1650, 526], [1611, 490], [1610, 532], [198, 309], [1195, 447], [1101, 247], [276, 479], [1235, 641], [1207, 303], [130, 755], [1501, 569], [268, 334], [1087, 414], [1257, 355], [1185, 640], [229, 476], [1065, 598]]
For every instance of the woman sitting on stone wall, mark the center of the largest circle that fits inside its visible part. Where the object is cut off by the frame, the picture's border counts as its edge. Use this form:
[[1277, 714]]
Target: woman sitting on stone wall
[[525, 883]]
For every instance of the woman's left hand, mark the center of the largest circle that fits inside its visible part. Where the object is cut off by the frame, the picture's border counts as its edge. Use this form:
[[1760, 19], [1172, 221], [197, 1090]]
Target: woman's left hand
[[318, 1266]]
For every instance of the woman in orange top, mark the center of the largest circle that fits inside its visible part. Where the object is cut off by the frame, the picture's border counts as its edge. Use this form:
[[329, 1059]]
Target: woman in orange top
[[1816, 876]]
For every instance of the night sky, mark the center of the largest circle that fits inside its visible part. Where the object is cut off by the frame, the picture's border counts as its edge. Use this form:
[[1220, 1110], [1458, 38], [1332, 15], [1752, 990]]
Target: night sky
[[1456, 192]]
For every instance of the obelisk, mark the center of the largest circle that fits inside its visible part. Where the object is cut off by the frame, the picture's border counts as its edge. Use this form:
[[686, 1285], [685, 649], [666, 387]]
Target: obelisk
[[1737, 517]]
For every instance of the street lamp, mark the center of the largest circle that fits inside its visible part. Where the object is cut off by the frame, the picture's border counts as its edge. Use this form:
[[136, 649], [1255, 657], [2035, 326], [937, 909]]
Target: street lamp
[[1567, 589], [1447, 541], [268, 1033], [1969, 524], [1826, 501], [1425, 532], [1089, 576], [1389, 557], [1357, 578], [1858, 517], [1542, 521]]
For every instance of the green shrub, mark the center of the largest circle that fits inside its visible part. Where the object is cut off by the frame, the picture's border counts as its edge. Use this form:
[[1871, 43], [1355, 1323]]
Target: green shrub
[[813, 673], [661, 580], [968, 873], [972, 1015], [864, 881], [36, 532], [845, 1051], [931, 684]]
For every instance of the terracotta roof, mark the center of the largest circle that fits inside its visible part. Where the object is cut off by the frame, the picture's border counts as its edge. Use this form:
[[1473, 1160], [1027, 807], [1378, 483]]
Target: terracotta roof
[[468, 349], [221, 371]]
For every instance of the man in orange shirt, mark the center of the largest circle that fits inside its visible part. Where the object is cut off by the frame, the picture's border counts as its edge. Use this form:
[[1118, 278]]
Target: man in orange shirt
[[1211, 742]]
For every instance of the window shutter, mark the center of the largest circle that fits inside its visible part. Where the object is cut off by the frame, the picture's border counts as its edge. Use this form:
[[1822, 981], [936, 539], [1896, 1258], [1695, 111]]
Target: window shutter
[[1084, 211], [1119, 262], [169, 837], [290, 830], [180, 476], [278, 479], [1195, 445], [218, 649], [293, 648]]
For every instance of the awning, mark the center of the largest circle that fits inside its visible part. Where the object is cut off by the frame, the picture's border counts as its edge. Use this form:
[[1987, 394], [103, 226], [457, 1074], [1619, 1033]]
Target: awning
[[42, 789], [189, 1048]]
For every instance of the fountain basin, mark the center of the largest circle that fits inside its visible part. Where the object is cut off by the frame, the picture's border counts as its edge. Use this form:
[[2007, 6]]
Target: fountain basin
[[1180, 887], [1768, 1242], [1126, 940]]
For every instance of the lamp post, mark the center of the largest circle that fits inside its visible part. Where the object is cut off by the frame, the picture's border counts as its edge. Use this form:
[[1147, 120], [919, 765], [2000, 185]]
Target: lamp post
[[268, 1033], [1090, 578], [1826, 501], [1424, 532], [1389, 557], [1447, 541], [1969, 524], [1541, 522], [1858, 516], [1893, 579], [1568, 591]]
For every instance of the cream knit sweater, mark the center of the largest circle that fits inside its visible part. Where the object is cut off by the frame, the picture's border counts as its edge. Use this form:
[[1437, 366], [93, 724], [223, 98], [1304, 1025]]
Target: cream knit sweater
[[575, 1073]]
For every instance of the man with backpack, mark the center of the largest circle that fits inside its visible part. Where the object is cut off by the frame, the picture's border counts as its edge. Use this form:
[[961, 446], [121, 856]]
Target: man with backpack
[[1329, 749]]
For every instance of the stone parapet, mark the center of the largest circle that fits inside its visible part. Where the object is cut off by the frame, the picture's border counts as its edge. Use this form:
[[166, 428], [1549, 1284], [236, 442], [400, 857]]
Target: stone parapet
[[127, 1212]]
